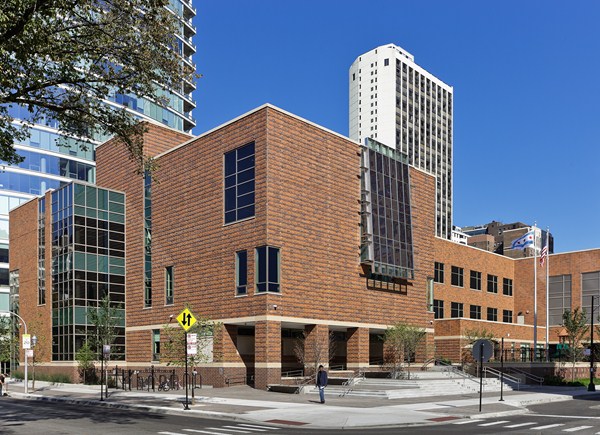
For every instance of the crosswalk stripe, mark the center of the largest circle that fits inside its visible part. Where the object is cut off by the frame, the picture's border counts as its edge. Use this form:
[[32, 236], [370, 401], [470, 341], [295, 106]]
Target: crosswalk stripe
[[512, 426], [575, 429], [204, 431], [546, 427], [171, 433], [229, 430], [493, 423], [258, 427], [246, 429], [468, 421]]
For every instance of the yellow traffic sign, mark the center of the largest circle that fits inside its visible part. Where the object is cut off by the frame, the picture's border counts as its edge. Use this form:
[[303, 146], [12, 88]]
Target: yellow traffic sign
[[186, 319]]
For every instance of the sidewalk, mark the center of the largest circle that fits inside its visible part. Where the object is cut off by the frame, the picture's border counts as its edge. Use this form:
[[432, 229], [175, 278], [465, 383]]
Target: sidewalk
[[243, 403]]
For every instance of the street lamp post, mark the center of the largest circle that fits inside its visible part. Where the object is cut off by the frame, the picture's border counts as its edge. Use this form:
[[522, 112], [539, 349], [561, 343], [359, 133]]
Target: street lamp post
[[26, 383], [591, 386]]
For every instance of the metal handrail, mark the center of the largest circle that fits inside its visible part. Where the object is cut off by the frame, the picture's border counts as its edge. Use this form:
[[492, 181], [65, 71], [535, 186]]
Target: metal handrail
[[465, 376], [338, 367], [351, 382], [540, 380], [293, 373], [504, 376]]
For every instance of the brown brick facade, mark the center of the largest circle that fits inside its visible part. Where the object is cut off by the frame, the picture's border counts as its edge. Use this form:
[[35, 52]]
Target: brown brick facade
[[307, 204]]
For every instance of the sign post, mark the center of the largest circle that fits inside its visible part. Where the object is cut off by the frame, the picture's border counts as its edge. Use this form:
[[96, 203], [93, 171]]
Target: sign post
[[186, 319], [482, 351], [26, 346]]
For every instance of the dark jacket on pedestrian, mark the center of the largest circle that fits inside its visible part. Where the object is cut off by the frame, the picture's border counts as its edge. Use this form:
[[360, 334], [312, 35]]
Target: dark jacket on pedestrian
[[321, 378]]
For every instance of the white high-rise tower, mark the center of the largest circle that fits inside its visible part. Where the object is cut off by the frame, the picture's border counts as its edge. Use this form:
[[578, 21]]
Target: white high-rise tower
[[396, 102]]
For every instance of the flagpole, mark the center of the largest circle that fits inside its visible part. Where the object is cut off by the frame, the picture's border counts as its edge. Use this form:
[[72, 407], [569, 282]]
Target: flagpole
[[534, 292], [547, 259]]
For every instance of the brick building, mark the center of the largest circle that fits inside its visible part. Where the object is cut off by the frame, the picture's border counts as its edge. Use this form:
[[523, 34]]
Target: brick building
[[276, 228]]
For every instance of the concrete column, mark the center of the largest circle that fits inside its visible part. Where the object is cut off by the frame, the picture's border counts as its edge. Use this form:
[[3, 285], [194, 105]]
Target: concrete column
[[357, 348], [267, 354], [316, 347]]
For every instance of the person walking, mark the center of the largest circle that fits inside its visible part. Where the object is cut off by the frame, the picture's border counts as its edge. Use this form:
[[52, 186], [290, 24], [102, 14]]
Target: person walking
[[321, 382], [2, 379]]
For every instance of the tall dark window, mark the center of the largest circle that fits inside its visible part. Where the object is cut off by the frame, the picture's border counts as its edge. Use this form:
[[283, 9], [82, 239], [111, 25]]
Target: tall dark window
[[147, 239], [169, 280], [156, 345], [239, 183], [456, 309], [492, 314], [475, 280], [507, 286], [492, 283], [559, 298], [439, 272], [438, 309], [507, 316], [267, 269], [475, 312], [241, 272], [457, 276]]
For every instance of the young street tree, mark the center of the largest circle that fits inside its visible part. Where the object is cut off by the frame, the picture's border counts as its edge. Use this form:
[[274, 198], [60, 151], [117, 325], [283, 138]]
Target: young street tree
[[401, 342], [312, 353], [575, 324], [105, 319], [63, 59]]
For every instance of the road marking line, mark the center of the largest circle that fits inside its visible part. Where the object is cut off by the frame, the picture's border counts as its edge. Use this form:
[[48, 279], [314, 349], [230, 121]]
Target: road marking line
[[567, 416], [204, 431], [468, 421], [575, 429], [546, 427], [228, 430], [171, 433], [521, 425], [259, 427], [493, 423]]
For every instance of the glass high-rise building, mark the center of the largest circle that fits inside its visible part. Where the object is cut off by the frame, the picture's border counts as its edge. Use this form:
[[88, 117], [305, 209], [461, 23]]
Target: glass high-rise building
[[399, 104], [52, 160]]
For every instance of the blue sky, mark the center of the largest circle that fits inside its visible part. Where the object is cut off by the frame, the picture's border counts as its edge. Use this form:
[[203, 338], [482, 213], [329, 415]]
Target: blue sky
[[526, 78]]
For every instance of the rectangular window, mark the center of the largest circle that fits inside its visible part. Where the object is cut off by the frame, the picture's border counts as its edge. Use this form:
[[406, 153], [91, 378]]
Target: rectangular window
[[492, 283], [241, 272], [438, 309], [590, 286], [239, 176], [507, 286], [439, 272], [267, 269], [507, 316], [457, 276], [156, 345], [475, 312], [169, 285], [559, 298], [456, 309], [492, 314], [475, 280]]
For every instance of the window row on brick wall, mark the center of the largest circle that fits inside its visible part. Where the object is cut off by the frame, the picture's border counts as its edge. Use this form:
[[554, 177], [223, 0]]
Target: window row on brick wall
[[457, 310], [475, 279]]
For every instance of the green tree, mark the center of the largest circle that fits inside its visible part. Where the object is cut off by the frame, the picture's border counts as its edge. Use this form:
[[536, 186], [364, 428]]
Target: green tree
[[401, 343], [8, 342], [575, 324], [60, 58], [85, 358], [105, 319], [173, 347]]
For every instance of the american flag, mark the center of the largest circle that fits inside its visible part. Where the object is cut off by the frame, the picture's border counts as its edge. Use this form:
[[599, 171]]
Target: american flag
[[544, 253]]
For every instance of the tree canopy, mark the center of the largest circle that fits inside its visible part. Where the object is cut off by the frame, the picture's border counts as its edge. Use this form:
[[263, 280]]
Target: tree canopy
[[61, 60]]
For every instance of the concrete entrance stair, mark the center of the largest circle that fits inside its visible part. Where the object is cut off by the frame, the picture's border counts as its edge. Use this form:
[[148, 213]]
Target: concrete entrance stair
[[430, 383]]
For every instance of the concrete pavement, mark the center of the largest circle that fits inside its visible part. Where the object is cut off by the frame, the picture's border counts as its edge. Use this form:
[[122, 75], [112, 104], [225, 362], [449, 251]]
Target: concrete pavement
[[242, 403]]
